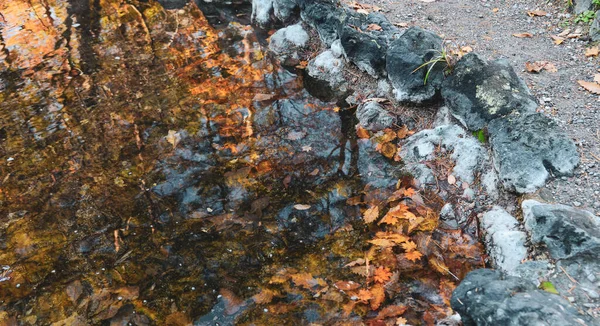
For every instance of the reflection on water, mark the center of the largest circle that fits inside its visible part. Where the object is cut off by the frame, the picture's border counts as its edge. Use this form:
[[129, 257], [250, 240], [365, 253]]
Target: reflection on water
[[152, 171]]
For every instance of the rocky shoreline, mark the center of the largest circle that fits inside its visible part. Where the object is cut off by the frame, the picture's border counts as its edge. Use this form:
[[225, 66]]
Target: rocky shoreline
[[521, 151]]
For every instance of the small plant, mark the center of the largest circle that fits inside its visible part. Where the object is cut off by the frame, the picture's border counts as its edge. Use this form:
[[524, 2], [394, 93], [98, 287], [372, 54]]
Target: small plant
[[442, 56], [596, 3], [586, 17]]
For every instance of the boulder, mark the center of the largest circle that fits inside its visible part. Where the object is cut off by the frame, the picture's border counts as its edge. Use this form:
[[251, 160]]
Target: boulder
[[582, 5], [478, 91], [405, 55], [324, 77], [527, 148], [365, 51], [488, 297], [261, 12], [374, 117], [325, 17], [505, 243], [595, 28], [565, 230], [288, 43], [467, 152], [284, 10]]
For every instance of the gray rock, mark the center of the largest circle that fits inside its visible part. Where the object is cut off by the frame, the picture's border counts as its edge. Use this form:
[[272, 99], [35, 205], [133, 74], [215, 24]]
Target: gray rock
[[284, 9], [287, 43], [505, 243], [364, 50], [448, 216], [415, 47], [466, 150], [337, 49], [374, 117], [261, 12], [582, 5], [489, 182], [526, 147], [566, 231], [478, 92], [325, 17], [324, 77], [595, 28], [535, 270], [422, 174], [487, 297]]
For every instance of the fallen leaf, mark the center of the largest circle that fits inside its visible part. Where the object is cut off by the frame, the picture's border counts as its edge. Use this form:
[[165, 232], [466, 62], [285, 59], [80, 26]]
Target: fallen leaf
[[403, 132], [409, 246], [364, 295], [592, 52], [523, 35], [438, 265], [306, 148], [353, 201], [382, 274], [539, 66], [265, 296], [363, 11], [304, 280], [409, 192], [314, 172], [495, 9], [377, 296], [374, 27], [401, 321], [534, 13], [347, 285], [262, 97], [391, 311], [353, 263], [383, 242], [413, 255], [565, 32], [597, 78], [173, 138], [590, 86], [296, 135], [371, 214], [548, 287], [451, 179], [557, 39], [574, 35], [362, 133], [466, 49], [301, 207], [388, 150], [403, 25]]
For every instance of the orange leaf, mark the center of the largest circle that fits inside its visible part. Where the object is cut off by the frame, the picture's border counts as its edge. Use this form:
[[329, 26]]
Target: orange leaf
[[413, 255], [374, 27], [523, 35], [362, 133], [353, 263], [371, 214], [409, 192], [265, 296], [304, 280], [403, 132], [409, 246], [592, 52], [382, 274], [388, 150], [389, 219], [590, 86], [391, 311], [383, 242], [377, 296], [347, 285], [364, 295]]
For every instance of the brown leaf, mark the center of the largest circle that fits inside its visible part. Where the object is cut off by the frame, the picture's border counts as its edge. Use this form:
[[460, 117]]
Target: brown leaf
[[401, 321], [391, 311], [347, 285], [304, 280], [409, 246], [362, 133], [382, 274], [286, 181], [590, 86], [353, 201], [539, 66], [557, 39], [388, 150], [353, 263], [364, 295], [523, 35], [262, 97], [403, 132], [265, 296], [438, 266], [374, 27], [597, 78], [536, 13], [592, 52], [371, 214]]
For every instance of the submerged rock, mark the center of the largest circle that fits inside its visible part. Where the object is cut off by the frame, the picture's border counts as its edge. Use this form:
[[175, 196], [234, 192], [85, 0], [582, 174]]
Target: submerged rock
[[527, 148], [505, 243], [374, 168], [288, 43], [406, 54], [487, 297], [565, 230], [478, 92]]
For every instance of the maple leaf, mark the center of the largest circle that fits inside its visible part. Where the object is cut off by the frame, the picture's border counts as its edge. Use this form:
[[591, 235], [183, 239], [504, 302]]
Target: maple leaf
[[401, 321], [383, 242], [409, 246], [371, 214], [304, 280], [353, 263], [364, 295], [389, 219], [413, 255], [377, 296], [382, 274]]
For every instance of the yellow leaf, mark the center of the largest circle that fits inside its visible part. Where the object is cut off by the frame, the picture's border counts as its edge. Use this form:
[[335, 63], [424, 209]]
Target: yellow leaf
[[371, 214], [409, 246], [391, 311], [383, 242], [382, 274], [377, 296], [413, 255], [590, 86], [388, 150]]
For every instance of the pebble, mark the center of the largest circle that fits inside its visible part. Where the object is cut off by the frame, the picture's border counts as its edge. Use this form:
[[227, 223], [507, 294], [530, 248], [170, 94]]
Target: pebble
[[576, 204]]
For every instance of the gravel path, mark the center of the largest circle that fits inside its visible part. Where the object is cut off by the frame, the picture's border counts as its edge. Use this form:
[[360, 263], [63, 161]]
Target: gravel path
[[488, 28]]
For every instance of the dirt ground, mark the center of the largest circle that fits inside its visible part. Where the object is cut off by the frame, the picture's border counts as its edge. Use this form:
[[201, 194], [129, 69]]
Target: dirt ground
[[488, 28]]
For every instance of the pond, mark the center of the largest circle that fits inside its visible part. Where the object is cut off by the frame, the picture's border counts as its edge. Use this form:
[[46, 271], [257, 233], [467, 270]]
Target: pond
[[159, 168]]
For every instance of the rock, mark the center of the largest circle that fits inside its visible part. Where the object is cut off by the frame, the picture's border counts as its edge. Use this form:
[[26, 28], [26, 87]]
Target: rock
[[374, 168], [324, 77], [422, 174], [582, 5], [566, 231], [595, 28], [489, 182], [325, 17], [448, 216], [284, 10], [487, 297], [467, 152], [478, 92], [505, 243], [411, 50], [364, 50], [374, 117], [261, 12], [287, 42], [336, 49], [526, 147]]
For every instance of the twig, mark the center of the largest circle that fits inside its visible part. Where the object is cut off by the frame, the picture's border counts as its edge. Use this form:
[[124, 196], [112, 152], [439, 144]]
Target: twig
[[569, 276], [594, 156]]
